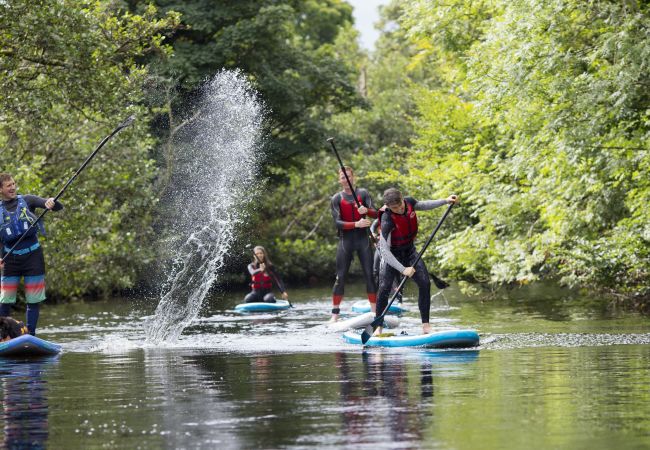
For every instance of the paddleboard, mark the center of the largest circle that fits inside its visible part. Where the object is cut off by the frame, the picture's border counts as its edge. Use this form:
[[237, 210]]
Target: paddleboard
[[439, 339], [262, 306], [363, 306], [362, 321], [28, 346]]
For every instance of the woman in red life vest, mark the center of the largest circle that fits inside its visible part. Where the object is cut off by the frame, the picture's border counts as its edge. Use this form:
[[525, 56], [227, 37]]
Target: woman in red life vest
[[263, 277], [399, 227]]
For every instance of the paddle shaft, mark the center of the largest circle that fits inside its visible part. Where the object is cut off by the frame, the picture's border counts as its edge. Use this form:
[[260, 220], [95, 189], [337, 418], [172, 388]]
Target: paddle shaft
[[122, 125], [354, 194], [375, 323]]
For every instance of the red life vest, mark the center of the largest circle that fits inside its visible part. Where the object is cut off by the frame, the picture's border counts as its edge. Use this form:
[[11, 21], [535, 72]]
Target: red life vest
[[406, 226], [261, 280], [348, 210]]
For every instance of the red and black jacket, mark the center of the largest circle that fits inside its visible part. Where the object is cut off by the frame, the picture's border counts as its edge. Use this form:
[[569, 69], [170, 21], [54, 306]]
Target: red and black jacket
[[402, 228]]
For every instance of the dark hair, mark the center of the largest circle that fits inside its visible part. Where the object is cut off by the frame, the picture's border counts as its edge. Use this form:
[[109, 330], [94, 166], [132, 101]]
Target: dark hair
[[347, 169], [392, 196], [5, 177]]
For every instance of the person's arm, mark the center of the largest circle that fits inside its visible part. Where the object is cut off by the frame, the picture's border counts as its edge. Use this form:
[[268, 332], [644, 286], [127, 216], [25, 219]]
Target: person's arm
[[253, 270], [425, 205], [373, 227], [277, 280], [367, 201], [384, 244], [34, 201]]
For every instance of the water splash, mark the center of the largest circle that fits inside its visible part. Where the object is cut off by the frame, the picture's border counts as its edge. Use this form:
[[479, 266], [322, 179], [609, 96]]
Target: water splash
[[215, 168]]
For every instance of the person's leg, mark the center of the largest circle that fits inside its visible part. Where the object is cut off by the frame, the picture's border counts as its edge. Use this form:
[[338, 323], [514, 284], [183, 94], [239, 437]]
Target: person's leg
[[421, 278], [386, 276], [34, 287], [269, 298], [9, 281], [253, 297], [343, 260], [365, 258]]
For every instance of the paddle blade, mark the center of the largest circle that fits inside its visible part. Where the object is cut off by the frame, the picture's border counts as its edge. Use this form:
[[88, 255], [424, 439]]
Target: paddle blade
[[367, 333], [128, 121]]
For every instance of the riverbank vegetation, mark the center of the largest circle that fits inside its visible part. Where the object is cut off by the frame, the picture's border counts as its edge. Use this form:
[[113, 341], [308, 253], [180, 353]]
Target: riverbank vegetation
[[535, 112]]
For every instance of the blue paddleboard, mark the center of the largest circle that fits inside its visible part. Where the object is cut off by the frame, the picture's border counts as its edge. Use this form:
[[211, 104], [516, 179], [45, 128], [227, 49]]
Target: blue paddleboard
[[262, 306], [363, 306], [28, 346], [440, 339]]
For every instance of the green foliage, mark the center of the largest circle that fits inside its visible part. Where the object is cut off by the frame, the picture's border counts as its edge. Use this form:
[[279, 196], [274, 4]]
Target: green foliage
[[68, 76]]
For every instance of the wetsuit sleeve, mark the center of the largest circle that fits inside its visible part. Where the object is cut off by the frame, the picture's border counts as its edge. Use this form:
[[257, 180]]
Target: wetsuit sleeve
[[367, 201], [336, 214], [34, 201], [425, 205], [252, 269], [384, 244], [277, 280]]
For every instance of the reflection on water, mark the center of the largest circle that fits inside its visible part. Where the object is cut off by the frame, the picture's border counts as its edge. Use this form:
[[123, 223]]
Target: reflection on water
[[573, 378], [24, 396]]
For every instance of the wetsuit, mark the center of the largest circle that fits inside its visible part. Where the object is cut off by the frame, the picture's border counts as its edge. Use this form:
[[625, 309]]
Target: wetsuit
[[398, 252], [375, 229], [351, 240], [11, 328], [262, 283], [27, 261]]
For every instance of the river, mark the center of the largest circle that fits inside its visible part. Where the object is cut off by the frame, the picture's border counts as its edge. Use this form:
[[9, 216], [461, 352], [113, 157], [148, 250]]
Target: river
[[554, 370]]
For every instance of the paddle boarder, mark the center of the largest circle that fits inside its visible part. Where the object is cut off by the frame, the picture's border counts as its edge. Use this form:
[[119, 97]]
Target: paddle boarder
[[263, 276], [399, 227], [353, 237], [26, 260]]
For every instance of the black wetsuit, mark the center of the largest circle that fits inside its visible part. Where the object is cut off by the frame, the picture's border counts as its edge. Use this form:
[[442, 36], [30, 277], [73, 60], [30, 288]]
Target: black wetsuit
[[396, 258], [261, 293], [351, 240]]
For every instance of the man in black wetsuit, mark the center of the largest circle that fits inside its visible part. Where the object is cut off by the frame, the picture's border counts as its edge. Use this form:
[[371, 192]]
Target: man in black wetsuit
[[399, 227], [353, 237], [26, 260]]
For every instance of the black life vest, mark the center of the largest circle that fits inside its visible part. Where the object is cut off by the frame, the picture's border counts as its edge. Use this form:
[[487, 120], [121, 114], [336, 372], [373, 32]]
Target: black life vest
[[261, 280], [406, 226], [11, 328], [348, 210]]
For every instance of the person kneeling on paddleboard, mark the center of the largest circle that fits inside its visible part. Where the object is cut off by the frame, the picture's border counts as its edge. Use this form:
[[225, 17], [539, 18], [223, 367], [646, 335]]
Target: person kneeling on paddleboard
[[263, 276], [11, 328], [399, 227]]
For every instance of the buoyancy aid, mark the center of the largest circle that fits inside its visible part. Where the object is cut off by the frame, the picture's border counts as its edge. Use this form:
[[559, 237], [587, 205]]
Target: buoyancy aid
[[261, 280], [17, 223], [406, 226], [348, 209]]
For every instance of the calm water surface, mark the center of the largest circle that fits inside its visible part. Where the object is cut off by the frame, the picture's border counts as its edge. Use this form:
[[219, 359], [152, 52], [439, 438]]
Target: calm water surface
[[553, 371]]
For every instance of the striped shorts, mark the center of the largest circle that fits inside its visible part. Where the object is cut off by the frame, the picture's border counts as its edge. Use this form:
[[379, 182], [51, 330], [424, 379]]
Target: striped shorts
[[31, 267]]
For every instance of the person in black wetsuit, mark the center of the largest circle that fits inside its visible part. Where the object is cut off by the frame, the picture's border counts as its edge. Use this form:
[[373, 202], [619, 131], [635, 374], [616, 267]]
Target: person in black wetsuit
[[375, 229], [263, 276], [399, 227], [353, 237], [26, 260]]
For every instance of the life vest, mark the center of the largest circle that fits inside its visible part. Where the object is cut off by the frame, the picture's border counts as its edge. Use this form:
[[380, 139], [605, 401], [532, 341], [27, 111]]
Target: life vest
[[261, 280], [17, 223], [348, 210], [406, 226], [12, 328]]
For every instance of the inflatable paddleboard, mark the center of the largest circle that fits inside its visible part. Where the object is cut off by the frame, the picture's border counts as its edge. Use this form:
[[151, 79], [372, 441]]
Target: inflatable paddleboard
[[262, 306], [440, 339], [28, 346], [361, 321], [363, 306]]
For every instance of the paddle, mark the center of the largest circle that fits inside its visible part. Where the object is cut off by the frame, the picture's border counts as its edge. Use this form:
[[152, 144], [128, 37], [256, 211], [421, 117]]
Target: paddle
[[354, 194], [370, 329], [122, 125]]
